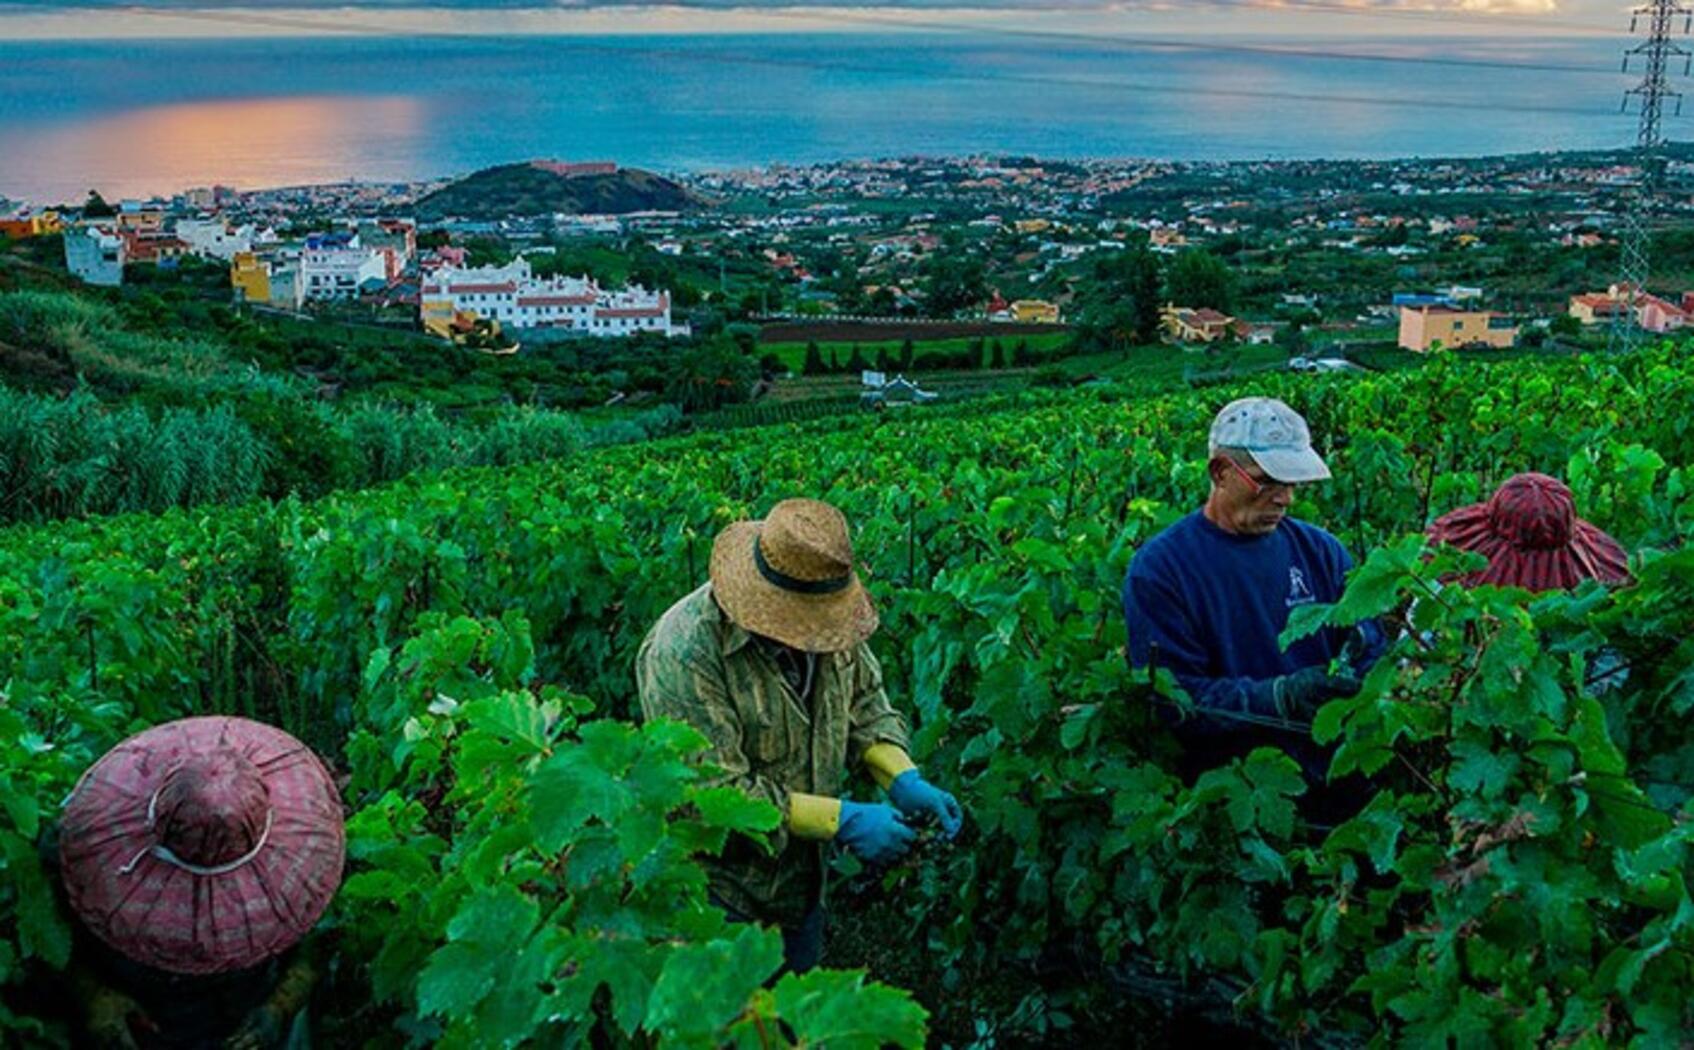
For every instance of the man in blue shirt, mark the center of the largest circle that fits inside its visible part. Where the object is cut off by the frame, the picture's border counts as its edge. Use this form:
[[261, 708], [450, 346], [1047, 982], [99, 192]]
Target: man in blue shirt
[[1207, 598]]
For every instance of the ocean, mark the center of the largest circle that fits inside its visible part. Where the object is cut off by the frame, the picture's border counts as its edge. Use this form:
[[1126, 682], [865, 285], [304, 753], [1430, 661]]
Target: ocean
[[140, 117]]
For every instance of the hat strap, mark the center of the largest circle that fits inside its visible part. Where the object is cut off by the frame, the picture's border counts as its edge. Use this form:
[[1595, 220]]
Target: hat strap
[[159, 851], [794, 584]]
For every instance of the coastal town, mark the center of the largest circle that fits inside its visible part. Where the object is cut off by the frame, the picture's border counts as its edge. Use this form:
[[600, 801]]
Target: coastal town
[[1475, 254], [811, 525]]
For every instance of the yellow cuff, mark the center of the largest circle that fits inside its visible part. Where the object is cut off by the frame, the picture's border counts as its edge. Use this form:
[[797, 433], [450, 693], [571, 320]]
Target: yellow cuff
[[887, 761], [813, 816]]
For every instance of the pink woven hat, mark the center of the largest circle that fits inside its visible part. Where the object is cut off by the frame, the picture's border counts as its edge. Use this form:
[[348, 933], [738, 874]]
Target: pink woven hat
[[1530, 534], [203, 845]]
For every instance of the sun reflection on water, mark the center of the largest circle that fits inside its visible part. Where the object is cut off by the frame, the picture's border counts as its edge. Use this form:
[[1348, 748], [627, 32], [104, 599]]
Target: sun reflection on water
[[245, 143]]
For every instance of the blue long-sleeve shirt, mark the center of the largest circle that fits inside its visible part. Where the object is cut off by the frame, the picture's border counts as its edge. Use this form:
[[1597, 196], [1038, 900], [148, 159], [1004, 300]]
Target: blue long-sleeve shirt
[[1208, 606]]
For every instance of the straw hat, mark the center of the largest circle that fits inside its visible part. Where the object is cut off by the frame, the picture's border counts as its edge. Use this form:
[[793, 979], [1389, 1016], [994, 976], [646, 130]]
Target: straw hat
[[203, 845], [790, 577], [1530, 534]]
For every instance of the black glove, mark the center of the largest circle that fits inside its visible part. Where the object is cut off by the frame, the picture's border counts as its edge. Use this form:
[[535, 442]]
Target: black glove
[[1298, 696], [262, 1029]]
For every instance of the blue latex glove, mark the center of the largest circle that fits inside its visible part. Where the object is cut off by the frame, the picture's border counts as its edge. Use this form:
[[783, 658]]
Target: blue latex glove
[[916, 797], [874, 832]]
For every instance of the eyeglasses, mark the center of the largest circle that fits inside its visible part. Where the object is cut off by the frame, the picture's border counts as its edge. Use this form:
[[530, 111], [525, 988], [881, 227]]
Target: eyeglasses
[[1261, 488]]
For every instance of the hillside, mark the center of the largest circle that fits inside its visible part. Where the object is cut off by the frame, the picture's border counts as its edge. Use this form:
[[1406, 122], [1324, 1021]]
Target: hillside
[[460, 644], [540, 188]]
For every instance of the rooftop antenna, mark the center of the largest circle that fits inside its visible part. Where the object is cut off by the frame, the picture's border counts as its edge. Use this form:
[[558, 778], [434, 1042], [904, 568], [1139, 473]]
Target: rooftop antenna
[[1653, 91]]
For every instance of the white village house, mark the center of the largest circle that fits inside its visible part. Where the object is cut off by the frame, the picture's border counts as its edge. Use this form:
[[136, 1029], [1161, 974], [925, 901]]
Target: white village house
[[95, 254], [337, 266], [214, 237], [515, 297]]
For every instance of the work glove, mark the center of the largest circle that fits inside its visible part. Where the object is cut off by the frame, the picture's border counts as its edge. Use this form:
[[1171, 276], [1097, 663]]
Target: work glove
[[1298, 696], [919, 800], [108, 1019], [260, 1030], [1355, 651], [874, 832]]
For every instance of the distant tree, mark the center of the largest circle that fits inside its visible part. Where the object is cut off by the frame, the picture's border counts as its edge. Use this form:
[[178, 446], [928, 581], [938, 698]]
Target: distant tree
[[814, 365], [1022, 356], [429, 240], [95, 207], [908, 353], [1564, 326], [834, 360], [487, 251], [857, 362], [710, 375], [953, 283], [998, 359], [1229, 245], [976, 349], [884, 360], [1122, 299], [746, 336], [1200, 279], [1294, 340]]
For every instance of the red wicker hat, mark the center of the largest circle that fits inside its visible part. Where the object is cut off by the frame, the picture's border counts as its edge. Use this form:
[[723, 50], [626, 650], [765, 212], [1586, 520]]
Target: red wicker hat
[[203, 845], [1530, 534]]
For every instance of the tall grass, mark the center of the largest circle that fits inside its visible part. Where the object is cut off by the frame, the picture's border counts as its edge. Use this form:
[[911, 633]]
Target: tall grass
[[77, 456], [74, 456]]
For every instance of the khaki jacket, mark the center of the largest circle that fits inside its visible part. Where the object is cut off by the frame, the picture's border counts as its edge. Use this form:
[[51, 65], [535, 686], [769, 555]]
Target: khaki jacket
[[698, 667]]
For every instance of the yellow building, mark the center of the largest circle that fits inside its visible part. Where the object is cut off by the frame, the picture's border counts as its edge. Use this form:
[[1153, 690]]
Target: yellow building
[[437, 317], [1166, 237], [140, 220], [1034, 311], [1421, 327], [1204, 325], [20, 226], [250, 276], [1032, 226]]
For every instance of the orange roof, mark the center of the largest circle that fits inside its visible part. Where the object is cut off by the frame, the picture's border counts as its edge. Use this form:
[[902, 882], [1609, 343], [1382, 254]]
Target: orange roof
[[471, 289]]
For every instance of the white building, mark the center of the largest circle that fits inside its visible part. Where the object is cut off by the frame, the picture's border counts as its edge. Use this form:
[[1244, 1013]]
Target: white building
[[337, 266], [95, 254], [515, 297], [215, 238], [288, 285]]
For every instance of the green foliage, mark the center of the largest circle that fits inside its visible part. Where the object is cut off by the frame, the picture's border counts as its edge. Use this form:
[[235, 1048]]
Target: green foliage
[[953, 282], [1197, 279], [1517, 874], [556, 894], [1123, 299], [710, 376]]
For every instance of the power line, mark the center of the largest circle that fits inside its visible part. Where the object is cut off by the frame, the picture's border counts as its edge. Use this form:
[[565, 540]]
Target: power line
[[930, 25], [1653, 91], [1176, 44], [348, 27], [1469, 19]]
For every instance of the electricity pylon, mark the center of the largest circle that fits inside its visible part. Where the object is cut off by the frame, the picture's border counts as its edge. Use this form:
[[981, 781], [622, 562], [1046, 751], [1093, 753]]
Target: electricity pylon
[[1653, 91]]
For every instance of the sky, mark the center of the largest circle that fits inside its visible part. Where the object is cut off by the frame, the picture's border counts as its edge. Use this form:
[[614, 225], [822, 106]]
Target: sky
[[71, 19]]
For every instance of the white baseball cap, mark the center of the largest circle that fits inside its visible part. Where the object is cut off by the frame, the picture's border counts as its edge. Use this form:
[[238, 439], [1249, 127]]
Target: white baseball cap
[[1274, 435]]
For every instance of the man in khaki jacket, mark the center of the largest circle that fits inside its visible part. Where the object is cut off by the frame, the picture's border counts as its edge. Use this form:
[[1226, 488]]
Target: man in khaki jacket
[[769, 660]]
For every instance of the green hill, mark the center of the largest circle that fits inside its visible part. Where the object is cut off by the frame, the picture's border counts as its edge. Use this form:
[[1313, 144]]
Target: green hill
[[532, 188]]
